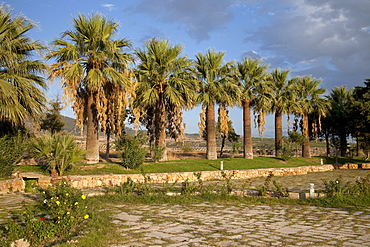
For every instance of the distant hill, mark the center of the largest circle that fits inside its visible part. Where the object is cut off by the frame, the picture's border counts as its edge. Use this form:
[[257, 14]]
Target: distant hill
[[70, 125]]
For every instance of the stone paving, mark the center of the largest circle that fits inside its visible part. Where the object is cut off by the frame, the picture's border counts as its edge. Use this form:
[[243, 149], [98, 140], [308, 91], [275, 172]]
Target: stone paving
[[10, 202], [240, 225], [209, 224]]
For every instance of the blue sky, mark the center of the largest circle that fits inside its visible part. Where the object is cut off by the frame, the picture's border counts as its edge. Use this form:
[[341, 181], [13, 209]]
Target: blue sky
[[328, 39]]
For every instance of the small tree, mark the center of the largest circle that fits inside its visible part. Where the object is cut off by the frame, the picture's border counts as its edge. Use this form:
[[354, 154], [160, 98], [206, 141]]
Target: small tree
[[132, 150], [53, 120], [296, 139], [287, 150], [228, 134]]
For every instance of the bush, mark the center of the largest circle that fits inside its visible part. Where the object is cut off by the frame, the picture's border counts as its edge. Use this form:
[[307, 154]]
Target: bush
[[60, 213], [133, 152], [287, 151], [11, 152], [187, 148], [56, 151], [337, 188], [157, 153]]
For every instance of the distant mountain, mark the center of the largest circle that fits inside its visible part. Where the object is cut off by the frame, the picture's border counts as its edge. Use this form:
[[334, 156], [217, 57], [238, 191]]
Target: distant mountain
[[70, 125]]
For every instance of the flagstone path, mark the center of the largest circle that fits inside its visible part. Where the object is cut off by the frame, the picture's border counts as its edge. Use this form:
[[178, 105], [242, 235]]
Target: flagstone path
[[209, 224], [240, 225]]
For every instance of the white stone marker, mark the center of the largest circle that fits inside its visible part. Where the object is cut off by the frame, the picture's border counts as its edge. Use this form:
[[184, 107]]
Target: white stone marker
[[221, 165], [312, 190]]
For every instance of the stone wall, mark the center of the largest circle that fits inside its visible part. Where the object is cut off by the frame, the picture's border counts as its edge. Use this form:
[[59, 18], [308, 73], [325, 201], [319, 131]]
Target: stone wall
[[90, 181], [12, 185]]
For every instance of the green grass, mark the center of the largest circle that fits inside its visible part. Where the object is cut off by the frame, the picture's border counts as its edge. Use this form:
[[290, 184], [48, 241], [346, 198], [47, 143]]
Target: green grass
[[192, 165]]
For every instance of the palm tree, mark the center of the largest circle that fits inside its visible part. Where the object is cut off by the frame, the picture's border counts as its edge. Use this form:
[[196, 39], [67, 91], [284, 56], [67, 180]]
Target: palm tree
[[252, 82], [219, 86], [166, 85], [21, 93], [281, 101], [309, 100], [88, 60], [340, 99]]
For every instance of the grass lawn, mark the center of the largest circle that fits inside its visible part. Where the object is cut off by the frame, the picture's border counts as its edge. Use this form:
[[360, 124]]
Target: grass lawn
[[192, 165]]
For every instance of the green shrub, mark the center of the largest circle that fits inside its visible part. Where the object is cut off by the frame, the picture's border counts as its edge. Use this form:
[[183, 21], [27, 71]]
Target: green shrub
[[133, 152], [287, 151], [56, 151], [60, 213], [12, 149], [157, 153], [337, 188], [235, 149], [187, 148]]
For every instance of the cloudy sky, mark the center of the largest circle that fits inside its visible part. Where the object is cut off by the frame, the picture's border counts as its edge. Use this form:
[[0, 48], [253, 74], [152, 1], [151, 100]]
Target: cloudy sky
[[328, 39]]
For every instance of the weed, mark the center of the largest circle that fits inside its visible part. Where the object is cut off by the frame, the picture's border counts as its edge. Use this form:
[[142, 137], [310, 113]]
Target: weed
[[266, 185]]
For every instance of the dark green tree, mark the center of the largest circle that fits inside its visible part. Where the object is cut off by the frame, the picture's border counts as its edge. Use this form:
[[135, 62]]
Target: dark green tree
[[53, 120], [338, 116], [360, 117]]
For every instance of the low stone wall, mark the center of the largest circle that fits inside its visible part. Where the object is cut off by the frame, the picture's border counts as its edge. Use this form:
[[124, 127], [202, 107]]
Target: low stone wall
[[12, 185], [91, 181]]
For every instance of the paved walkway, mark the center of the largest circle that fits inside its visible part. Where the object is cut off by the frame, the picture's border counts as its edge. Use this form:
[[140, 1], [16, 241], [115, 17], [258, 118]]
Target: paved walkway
[[241, 225], [228, 225]]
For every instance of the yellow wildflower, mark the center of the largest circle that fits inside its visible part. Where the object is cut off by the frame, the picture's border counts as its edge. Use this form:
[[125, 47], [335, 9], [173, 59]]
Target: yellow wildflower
[[86, 216], [57, 202], [83, 197]]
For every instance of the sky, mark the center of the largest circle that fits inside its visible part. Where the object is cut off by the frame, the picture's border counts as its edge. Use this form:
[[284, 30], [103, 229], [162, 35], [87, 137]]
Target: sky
[[328, 39]]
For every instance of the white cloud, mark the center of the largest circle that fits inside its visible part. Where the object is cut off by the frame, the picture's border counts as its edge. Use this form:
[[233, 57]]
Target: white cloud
[[332, 33], [109, 6]]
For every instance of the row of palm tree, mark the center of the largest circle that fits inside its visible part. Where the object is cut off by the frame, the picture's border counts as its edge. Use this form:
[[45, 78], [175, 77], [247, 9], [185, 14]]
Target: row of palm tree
[[157, 82]]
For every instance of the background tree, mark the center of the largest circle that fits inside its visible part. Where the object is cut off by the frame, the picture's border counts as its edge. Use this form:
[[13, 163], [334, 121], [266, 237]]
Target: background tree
[[296, 139], [21, 94], [308, 101], [88, 60], [53, 120], [338, 116], [252, 76], [281, 102], [359, 109], [165, 87], [218, 86], [230, 135]]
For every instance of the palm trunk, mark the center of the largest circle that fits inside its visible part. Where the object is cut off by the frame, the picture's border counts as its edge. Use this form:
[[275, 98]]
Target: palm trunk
[[247, 130], [327, 144], [306, 146], [278, 133], [107, 148], [160, 128], [343, 145], [211, 132], [222, 145], [92, 138]]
